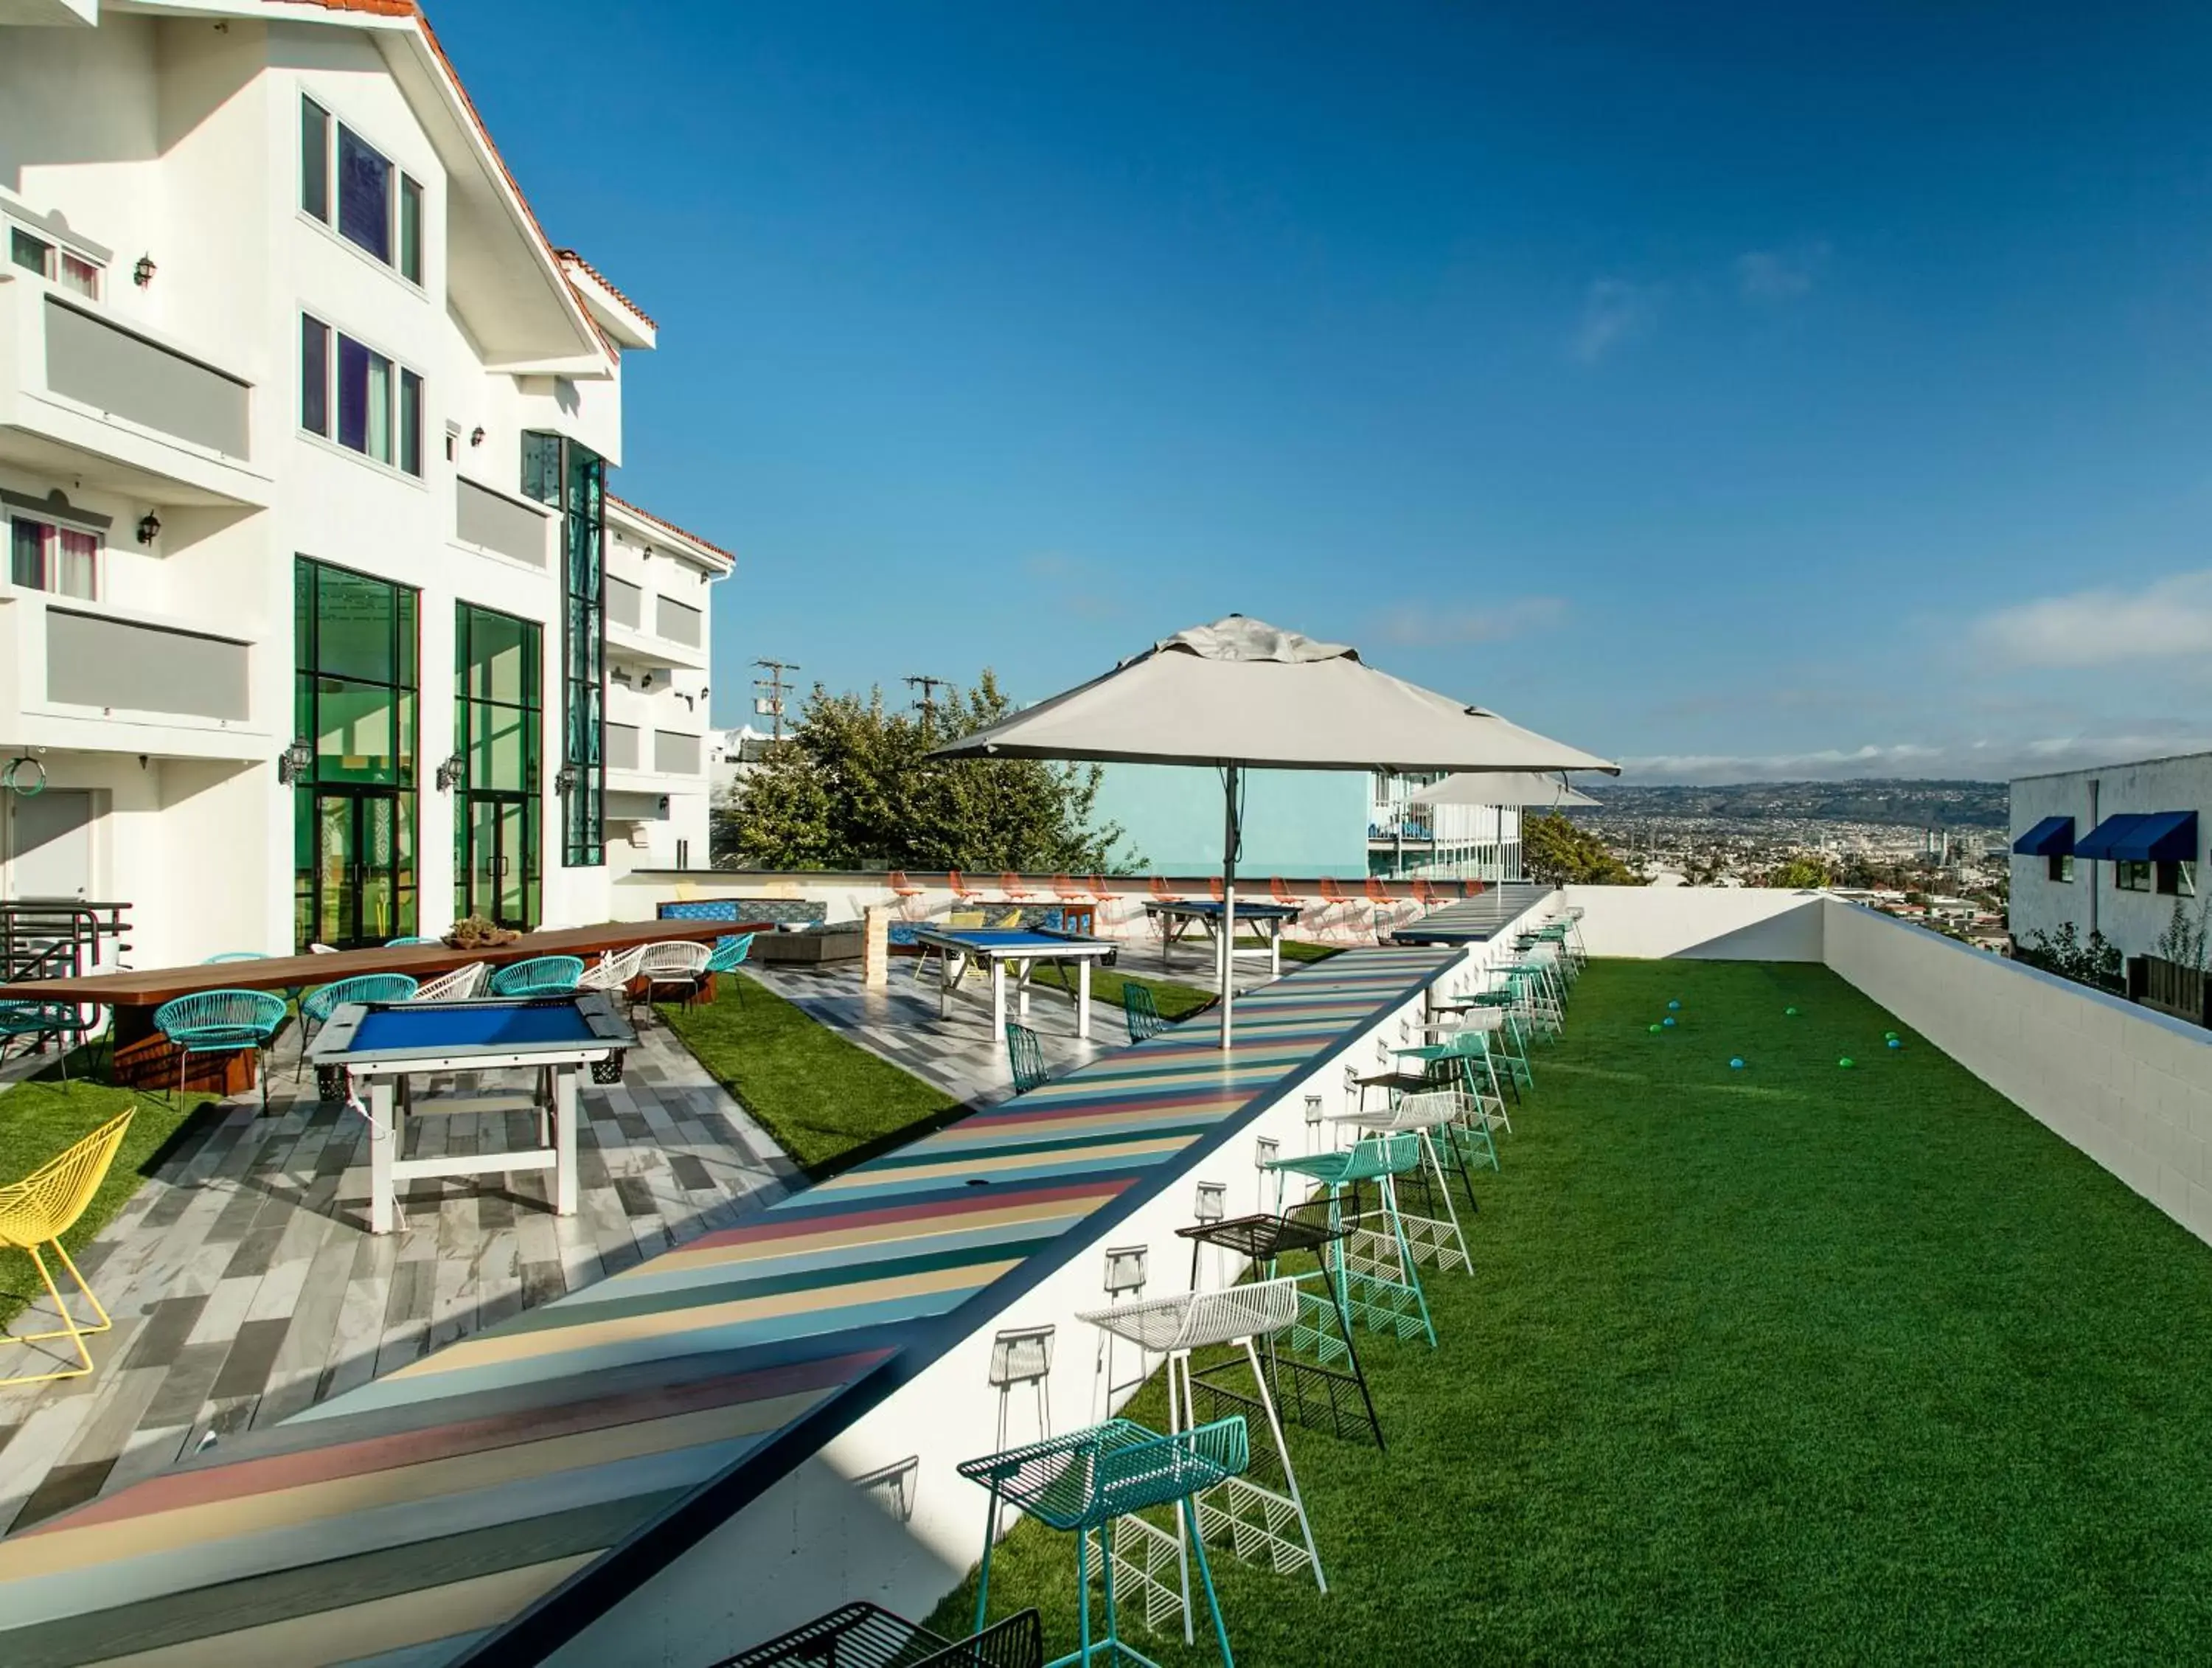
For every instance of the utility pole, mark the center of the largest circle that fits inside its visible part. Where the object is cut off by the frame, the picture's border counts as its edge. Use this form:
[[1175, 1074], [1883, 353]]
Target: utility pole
[[777, 686], [926, 702]]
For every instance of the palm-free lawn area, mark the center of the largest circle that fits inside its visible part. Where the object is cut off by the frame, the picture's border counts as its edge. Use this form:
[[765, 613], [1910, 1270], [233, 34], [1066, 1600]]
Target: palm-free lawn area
[[1787, 1364], [38, 1121]]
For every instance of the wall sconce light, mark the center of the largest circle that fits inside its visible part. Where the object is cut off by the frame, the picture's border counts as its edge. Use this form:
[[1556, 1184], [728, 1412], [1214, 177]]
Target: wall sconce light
[[143, 273], [294, 762], [645, 680], [150, 527], [475, 435], [450, 773], [564, 780]]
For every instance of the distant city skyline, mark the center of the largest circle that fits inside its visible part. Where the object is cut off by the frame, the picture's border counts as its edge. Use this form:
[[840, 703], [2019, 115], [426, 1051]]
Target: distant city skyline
[[1733, 397]]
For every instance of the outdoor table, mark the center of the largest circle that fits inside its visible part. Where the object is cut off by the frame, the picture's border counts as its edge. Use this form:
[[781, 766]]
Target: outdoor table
[[1022, 949], [383, 1044], [143, 1058], [1177, 917], [1263, 1238]]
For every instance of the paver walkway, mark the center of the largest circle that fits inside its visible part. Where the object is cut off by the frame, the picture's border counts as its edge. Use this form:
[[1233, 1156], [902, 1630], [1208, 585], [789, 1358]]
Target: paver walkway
[[245, 1285]]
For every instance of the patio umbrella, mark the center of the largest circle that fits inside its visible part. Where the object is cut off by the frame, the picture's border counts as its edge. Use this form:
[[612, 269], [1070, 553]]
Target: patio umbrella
[[1240, 694], [1519, 789]]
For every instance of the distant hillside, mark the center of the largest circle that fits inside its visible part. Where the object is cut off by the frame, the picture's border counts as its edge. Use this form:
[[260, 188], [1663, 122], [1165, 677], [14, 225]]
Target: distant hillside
[[1906, 804]]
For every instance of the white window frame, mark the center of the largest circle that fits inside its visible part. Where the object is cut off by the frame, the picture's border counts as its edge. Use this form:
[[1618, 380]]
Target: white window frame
[[401, 370], [54, 527], [56, 249], [334, 124]]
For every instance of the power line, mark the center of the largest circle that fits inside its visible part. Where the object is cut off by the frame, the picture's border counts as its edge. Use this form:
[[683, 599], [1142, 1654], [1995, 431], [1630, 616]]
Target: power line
[[929, 686], [770, 704]]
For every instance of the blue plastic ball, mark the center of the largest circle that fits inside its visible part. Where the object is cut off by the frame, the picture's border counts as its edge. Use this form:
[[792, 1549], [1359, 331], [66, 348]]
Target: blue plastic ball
[[1669, 1021], [1735, 1065], [1675, 1004], [1896, 1042]]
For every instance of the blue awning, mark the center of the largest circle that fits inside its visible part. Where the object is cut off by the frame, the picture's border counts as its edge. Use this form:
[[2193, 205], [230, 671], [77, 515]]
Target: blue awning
[[2097, 843], [2163, 836], [2156, 836], [2052, 837]]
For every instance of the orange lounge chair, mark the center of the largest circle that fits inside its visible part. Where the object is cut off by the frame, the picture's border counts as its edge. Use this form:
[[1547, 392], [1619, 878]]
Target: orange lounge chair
[[1011, 883], [1158, 888], [962, 891], [1067, 892], [1279, 891]]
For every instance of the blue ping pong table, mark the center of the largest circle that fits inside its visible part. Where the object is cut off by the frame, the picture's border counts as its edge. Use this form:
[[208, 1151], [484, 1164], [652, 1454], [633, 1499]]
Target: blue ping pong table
[[1177, 917], [1022, 949]]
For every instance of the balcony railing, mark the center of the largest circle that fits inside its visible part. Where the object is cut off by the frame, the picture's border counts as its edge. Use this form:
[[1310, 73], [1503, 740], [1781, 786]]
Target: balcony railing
[[71, 674], [98, 362], [495, 521]]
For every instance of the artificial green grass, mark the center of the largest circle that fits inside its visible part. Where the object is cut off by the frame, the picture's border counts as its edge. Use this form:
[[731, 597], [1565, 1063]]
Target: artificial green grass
[[1790, 1364], [821, 1097], [39, 1120], [1174, 1000]]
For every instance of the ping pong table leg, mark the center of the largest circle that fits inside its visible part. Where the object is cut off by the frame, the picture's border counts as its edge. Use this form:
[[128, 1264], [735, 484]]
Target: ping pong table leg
[[999, 1001], [564, 1140], [383, 1139], [1023, 970], [1083, 997], [1275, 951]]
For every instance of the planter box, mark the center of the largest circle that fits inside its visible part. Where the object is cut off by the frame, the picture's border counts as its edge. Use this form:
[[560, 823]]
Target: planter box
[[2168, 987], [808, 948]]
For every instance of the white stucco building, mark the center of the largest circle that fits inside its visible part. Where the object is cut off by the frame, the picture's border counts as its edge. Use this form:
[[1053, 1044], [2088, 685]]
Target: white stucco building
[[2113, 848], [319, 622]]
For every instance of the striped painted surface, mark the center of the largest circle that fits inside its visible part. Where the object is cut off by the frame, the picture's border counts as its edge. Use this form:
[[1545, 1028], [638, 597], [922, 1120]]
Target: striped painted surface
[[401, 1523], [1474, 920]]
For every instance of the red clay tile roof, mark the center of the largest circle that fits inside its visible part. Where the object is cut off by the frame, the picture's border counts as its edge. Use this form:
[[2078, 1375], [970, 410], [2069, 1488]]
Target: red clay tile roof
[[661, 521], [607, 284], [411, 9]]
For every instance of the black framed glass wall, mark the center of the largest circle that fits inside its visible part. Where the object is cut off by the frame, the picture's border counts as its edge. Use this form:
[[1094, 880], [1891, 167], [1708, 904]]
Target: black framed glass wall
[[354, 703], [559, 472], [498, 677]]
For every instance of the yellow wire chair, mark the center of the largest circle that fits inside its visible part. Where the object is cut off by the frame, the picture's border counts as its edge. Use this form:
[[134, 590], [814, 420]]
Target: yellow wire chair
[[41, 1208]]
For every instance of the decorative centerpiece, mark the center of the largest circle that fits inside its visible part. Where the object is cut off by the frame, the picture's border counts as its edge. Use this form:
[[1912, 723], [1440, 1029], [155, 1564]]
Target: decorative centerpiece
[[476, 933]]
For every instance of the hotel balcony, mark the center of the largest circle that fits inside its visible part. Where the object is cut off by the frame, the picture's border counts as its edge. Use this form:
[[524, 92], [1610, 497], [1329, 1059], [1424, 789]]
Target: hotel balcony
[[645, 765], [91, 677], [117, 407], [652, 633]]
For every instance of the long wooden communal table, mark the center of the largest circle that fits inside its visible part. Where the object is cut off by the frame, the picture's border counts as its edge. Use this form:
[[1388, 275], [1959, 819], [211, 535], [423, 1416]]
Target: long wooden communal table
[[146, 1059]]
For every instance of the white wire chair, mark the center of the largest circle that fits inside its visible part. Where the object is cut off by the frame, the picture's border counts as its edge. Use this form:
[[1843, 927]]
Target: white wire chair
[[457, 986], [613, 971], [674, 963]]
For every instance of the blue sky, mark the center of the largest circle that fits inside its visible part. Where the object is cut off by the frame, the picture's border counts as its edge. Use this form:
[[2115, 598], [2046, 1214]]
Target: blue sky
[[1736, 390]]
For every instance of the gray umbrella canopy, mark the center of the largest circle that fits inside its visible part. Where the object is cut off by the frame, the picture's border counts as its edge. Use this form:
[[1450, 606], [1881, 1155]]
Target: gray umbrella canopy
[[1241, 694], [1524, 788]]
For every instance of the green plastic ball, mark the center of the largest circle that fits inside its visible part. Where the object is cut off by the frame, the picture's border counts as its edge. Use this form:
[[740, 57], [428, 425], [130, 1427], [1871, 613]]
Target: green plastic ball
[[1847, 1062], [1654, 1028], [1791, 1011]]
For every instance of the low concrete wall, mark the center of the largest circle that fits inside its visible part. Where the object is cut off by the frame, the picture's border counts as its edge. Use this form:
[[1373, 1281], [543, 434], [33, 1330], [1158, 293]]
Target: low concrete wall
[[2130, 1088], [1712, 923]]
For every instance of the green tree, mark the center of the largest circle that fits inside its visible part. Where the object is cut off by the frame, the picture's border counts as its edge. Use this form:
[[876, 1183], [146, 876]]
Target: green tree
[[852, 785], [1798, 874], [1558, 853]]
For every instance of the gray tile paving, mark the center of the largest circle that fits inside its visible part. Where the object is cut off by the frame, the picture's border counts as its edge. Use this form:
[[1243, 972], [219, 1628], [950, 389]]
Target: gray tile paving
[[245, 1287]]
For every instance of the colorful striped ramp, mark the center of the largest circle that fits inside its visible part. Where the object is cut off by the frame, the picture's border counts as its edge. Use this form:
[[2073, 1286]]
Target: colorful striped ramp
[[1474, 920], [550, 1463]]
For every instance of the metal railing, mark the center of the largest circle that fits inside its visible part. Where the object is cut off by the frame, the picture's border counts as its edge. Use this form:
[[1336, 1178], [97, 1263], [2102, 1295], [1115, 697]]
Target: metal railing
[[53, 938]]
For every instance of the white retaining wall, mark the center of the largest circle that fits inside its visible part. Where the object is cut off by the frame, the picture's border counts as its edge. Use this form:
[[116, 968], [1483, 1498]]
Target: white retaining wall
[[1713, 923], [2130, 1088]]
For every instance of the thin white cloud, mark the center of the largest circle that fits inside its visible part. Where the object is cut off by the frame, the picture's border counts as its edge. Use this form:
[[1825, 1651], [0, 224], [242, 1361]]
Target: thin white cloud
[[1512, 617], [1984, 760], [1614, 314], [2166, 618], [1780, 275]]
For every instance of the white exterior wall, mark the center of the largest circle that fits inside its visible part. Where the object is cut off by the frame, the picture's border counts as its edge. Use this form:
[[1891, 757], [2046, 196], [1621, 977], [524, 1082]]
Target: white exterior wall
[[1714, 923], [178, 138], [2132, 920]]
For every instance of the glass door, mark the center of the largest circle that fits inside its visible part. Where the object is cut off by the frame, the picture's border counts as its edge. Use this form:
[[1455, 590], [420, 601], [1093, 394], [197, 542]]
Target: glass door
[[363, 871], [499, 877]]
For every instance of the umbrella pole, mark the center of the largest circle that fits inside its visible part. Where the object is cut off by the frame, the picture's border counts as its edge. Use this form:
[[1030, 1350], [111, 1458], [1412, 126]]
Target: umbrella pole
[[1228, 901]]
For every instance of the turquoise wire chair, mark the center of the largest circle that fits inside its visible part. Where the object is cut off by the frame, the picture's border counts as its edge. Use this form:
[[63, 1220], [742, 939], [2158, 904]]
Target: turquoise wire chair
[[1086, 1479], [1373, 1284], [730, 954], [67, 1023], [1141, 1011], [1027, 1055], [319, 1004], [220, 1022], [541, 976], [402, 943]]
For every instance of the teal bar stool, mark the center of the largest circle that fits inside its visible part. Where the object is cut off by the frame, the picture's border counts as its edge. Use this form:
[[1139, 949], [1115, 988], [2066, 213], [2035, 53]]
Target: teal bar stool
[[1086, 1480], [1375, 1267], [1512, 1045], [1427, 1238]]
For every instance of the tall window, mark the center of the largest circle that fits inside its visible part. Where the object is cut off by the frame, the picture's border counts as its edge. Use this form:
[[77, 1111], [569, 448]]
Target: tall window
[[2131, 877], [42, 557], [50, 261], [560, 471], [350, 186], [354, 703], [498, 679], [353, 394]]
